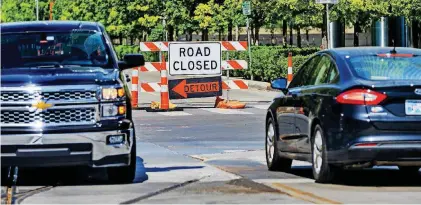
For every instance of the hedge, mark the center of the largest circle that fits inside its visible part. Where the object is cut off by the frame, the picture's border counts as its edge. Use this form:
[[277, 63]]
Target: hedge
[[268, 62]]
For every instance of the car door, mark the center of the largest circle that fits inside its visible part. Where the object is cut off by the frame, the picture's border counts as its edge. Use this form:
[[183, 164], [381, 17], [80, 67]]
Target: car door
[[310, 99], [285, 113]]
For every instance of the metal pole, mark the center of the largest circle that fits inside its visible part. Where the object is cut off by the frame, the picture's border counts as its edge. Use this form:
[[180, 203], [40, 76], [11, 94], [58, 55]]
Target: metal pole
[[36, 1], [165, 30], [249, 47], [228, 75], [328, 27]]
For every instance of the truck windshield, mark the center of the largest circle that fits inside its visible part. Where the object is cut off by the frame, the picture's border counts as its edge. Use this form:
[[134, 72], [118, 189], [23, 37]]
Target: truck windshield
[[387, 68], [78, 48]]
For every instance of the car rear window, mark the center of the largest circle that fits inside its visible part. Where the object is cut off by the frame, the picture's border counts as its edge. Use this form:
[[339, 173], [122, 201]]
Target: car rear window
[[387, 67]]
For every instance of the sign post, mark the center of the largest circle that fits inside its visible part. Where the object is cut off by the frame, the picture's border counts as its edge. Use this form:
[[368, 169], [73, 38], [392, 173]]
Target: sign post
[[327, 2], [247, 12], [195, 58]]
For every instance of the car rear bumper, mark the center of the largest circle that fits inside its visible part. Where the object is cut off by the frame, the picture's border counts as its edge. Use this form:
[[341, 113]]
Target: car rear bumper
[[66, 149], [402, 150]]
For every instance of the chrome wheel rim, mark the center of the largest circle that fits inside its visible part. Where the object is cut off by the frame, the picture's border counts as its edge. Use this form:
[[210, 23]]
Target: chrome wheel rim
[[270, 149], [317, 152]]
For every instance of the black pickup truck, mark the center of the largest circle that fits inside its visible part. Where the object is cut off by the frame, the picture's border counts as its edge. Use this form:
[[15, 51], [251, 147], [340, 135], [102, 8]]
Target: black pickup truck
[[64, 98]]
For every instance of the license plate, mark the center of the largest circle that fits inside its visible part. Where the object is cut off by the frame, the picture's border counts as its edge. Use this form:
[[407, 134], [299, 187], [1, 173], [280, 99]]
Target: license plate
[[413, 107]]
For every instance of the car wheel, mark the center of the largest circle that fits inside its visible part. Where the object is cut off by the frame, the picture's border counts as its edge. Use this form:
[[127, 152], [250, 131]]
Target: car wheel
[[273, 160], [411, 170], [124, 174], [322, 171]]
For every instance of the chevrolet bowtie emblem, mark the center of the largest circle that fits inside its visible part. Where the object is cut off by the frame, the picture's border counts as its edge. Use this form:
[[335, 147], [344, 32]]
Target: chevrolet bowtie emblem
[[41, 105]]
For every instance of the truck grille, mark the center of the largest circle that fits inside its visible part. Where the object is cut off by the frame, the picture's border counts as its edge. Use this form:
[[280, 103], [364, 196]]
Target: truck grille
[[60, 116], [46, 96]]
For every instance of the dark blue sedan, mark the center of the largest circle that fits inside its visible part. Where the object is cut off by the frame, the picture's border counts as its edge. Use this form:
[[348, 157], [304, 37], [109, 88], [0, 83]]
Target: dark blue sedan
[[348, 108]]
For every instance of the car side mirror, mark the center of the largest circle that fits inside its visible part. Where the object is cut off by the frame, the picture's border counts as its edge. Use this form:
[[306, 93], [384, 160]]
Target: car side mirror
[[131, 60], [279, 84]]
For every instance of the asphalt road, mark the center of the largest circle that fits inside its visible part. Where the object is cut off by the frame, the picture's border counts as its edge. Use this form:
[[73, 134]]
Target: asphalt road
[[208, 155]]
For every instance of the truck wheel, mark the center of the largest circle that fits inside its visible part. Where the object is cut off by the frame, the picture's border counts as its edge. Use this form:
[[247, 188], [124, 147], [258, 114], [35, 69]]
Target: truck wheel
[[273, 160], [124, 174]]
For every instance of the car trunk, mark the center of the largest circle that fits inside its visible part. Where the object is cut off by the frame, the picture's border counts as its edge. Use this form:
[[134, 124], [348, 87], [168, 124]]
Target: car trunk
[[402, 108]]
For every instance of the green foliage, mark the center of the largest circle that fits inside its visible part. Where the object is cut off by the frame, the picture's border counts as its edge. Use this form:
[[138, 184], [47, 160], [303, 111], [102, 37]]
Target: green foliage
[[140, 18], [270, 62]]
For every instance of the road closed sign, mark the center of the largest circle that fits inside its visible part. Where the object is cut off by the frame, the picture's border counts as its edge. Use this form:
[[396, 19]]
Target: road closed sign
[[194, 58]]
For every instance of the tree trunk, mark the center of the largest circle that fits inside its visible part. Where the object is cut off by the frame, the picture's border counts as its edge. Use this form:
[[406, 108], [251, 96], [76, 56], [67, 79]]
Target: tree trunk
[[170, 33], [415, 34], [284, 32], [220, 34], [230, 31], [205, 36], [357, 31], [272, 38], [252, 35], [307, 36], [120, 39], [256, 37], [237, 33], [324, 26], [291, 36], [298, 37], [190, 35]]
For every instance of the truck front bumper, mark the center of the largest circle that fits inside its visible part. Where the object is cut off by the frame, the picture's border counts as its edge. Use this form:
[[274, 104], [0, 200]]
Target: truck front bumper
[[66, 149]]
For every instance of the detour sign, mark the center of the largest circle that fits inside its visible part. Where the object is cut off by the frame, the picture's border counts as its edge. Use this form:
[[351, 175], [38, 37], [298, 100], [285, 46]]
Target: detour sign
[[195, 58], [195, 88]]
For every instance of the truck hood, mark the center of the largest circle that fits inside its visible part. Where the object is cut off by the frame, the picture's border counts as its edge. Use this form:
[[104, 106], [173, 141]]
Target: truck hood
[[16, 77]]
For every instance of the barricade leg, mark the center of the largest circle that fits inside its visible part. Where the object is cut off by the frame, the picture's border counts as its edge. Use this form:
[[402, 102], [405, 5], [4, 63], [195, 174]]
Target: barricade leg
[[135, 87]]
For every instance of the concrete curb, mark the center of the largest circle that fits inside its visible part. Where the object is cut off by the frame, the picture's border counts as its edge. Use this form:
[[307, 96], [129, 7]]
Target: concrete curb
[[257, 85]]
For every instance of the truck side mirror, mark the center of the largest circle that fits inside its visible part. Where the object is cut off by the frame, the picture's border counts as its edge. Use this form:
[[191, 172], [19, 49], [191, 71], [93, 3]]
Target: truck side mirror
[[131, 60]]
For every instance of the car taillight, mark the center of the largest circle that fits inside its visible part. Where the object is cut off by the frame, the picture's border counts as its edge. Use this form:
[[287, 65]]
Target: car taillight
[[361, 97]]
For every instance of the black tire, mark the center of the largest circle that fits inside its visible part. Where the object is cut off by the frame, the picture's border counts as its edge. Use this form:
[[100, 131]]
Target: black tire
[[276, 163], [411, 170], [126, 174], [326, 173]]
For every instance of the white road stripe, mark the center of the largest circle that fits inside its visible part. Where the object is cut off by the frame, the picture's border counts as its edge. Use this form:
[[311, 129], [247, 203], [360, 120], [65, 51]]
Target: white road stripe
[[285, 181], [226, 111], [263, 107], [176, 113]]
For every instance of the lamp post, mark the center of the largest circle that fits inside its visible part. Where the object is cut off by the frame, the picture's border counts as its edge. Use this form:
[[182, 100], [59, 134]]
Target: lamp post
[[36, 2]]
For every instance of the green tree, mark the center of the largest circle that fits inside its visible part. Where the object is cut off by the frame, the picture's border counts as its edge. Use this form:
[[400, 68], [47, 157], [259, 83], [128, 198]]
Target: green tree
[[23, 10]]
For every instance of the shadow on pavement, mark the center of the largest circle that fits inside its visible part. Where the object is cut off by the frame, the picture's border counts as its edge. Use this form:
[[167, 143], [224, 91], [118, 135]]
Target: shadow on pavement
[[167, 169], [387, 177], [71, 176]]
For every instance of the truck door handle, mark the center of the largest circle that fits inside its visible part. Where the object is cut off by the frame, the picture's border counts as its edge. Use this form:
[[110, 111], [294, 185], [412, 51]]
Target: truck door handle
[[128, 78]]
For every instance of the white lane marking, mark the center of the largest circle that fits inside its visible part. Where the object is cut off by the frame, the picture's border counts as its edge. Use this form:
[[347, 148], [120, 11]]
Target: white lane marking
[[263, 107], [234, 151], [285, 181], [226, 111], [176, 113]]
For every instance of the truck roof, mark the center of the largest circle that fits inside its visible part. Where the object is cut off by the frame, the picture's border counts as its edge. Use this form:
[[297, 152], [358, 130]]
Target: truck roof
[[48, 26]]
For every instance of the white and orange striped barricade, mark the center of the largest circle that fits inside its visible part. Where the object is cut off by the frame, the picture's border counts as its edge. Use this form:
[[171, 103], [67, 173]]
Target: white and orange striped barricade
[[162, 66], [150, 87], [235, 85], [163, 46]]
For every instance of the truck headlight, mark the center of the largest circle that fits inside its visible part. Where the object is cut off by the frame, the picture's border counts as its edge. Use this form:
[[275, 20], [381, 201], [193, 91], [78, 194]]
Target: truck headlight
[[112, 93]]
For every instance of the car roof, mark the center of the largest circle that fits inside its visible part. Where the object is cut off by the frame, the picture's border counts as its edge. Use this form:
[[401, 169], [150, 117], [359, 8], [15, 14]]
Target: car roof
[[48, 26], [359, 51]]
